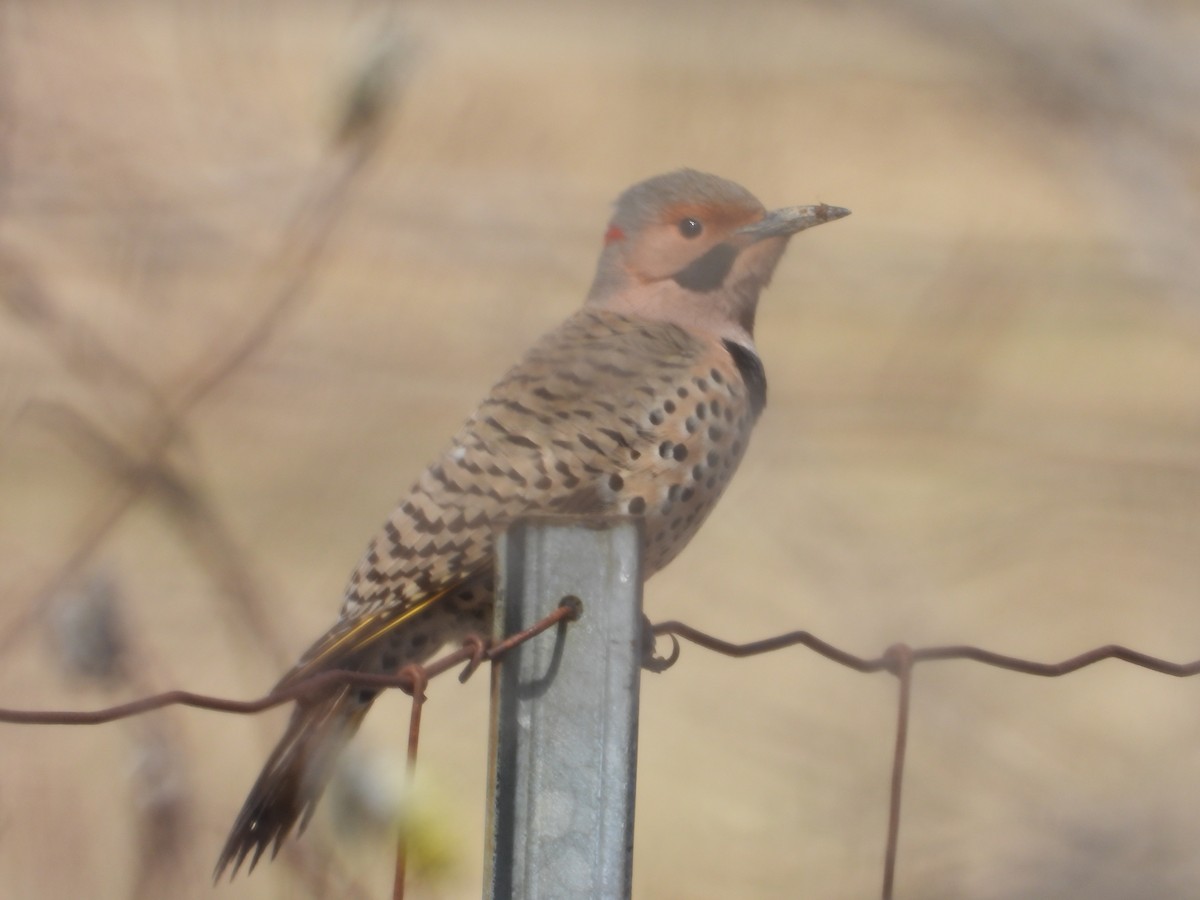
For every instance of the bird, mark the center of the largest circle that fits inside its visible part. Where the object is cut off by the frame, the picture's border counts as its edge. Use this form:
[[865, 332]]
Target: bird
[[640, 404]]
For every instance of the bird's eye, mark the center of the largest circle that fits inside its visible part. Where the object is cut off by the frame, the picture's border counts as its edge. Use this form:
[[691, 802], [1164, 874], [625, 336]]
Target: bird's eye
[[690, 227]]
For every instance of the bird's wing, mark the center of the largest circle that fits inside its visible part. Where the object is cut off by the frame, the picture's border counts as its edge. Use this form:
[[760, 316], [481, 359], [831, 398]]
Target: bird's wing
[[547, 439], [352, 635]]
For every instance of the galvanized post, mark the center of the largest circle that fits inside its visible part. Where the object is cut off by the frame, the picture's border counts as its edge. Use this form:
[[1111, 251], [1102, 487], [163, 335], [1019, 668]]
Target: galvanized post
[[564, 713]]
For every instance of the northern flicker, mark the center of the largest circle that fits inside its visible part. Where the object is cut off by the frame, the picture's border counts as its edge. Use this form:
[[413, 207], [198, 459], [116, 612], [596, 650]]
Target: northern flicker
[[641, 403]]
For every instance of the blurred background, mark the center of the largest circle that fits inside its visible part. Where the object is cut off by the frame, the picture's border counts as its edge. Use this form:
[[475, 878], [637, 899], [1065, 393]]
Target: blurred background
[[257, 261]]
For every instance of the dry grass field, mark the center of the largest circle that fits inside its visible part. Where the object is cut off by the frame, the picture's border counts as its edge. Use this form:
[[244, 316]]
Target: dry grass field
[[232, 331]]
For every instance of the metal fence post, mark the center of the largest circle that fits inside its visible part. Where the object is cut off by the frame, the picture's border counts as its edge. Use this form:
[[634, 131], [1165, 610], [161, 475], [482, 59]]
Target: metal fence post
[[564, 714]]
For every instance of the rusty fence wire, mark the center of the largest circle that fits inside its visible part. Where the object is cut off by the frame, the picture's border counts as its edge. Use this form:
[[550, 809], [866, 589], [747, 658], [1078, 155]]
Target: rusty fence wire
[[898, 660]]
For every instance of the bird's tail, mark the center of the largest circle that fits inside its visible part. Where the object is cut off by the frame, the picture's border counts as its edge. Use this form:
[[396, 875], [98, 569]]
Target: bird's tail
[[294, 777]]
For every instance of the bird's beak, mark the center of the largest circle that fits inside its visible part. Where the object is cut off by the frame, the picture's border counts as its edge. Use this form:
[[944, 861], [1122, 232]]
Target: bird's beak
[[789, 220]]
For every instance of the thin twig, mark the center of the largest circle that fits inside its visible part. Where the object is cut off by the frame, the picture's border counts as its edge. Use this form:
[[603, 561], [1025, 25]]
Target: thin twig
[[301, 250]]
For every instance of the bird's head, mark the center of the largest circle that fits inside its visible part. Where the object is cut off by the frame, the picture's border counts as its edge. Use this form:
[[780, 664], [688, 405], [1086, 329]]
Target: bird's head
[[695, 250]]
